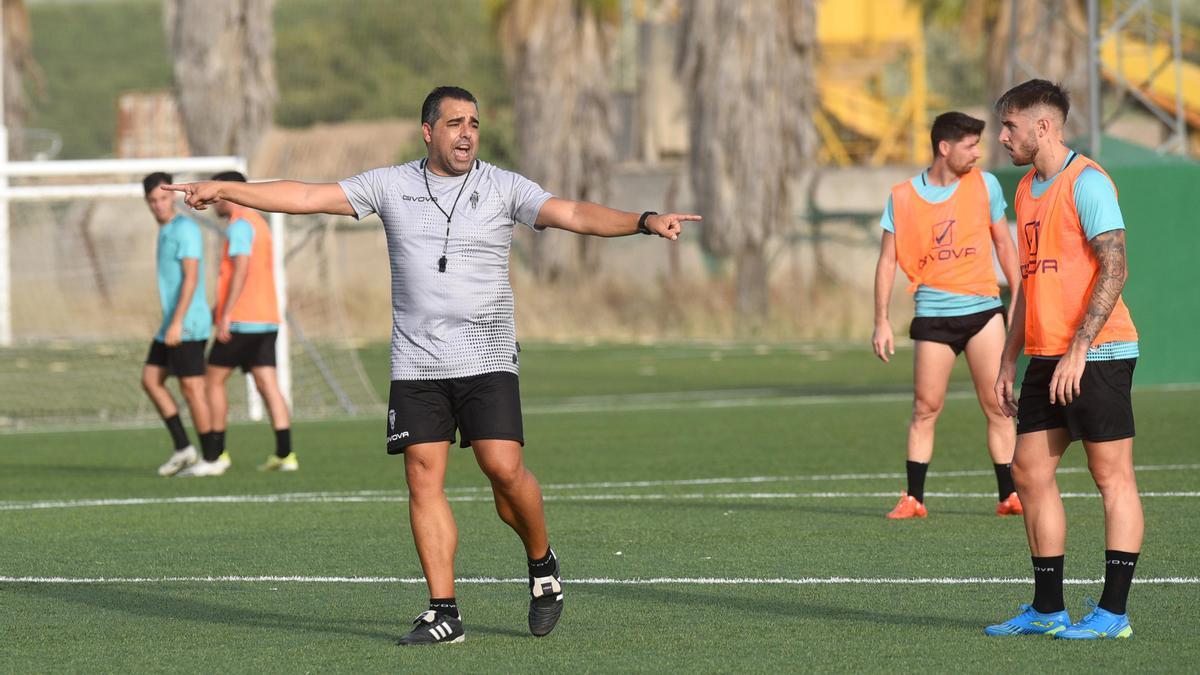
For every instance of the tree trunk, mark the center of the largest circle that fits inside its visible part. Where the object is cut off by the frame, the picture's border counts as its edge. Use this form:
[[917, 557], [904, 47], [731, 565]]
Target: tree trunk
[[224, 71], [749, 70], [560, 55]]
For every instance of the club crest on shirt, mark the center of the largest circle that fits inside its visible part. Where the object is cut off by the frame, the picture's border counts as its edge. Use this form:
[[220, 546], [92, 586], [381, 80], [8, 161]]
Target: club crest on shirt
[[475, 199], [391, 420]]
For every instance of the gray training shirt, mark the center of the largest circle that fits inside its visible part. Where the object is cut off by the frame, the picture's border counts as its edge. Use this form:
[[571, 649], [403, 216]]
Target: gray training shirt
[[456, 323]]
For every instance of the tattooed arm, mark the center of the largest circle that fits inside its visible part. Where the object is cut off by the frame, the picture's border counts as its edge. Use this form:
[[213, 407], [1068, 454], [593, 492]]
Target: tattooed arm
[[1109, 248]]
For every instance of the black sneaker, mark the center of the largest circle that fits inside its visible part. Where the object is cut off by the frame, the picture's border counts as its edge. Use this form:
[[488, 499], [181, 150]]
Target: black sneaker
[[545, 602], [432, 628]]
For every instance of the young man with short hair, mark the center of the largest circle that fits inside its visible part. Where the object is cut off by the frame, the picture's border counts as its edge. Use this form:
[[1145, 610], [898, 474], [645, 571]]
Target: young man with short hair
[[247, 326], [941, 226], [1071, 321], [449, 222], [178, 347]]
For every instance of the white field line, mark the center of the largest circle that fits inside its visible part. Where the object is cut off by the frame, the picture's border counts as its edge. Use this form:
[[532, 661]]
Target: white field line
[[596, 581], [401, 496], [318, 498]]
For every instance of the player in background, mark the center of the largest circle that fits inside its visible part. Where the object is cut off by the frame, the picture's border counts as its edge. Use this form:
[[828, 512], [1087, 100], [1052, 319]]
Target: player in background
[[941, 226], [449, 221], [178, 347], [1071, 321], [247, 326]]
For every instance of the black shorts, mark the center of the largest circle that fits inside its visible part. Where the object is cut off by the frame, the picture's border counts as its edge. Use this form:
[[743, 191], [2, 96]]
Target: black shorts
[[480, 407], [955, 331], [1103, 410], [244, 350], [186, 360]]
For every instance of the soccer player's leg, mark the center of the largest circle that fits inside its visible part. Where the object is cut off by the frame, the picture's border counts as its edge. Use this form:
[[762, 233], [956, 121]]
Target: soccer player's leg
[[932, 363], [154, 381], [420, 425], [1104, 411], [1034, 464], [983, 352], [490, 418], [436, 537], [267, 382], [214, 461]]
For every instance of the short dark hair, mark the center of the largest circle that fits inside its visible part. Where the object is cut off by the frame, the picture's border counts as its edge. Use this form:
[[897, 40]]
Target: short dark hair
[[154, 180], [1034, 93], [233, 176], [953, 127], [431, 109]]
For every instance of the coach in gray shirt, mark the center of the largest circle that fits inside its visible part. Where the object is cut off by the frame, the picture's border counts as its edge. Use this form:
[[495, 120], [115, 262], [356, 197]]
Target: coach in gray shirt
[[449, 221]]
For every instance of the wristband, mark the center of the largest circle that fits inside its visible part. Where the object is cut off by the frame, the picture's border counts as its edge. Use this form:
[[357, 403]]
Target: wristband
[[642, 222]]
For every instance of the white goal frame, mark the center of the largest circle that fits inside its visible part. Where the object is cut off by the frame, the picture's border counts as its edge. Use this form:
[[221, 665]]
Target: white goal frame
[[130, 167]]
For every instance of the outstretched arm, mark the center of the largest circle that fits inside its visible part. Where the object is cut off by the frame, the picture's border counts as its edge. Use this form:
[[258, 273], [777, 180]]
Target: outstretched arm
[[1109, 249], [601, 221], [279, 196]]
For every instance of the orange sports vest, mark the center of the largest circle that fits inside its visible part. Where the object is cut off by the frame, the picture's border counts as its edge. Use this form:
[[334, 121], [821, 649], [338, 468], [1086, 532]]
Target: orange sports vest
[[257, 303], [1058, 266], [948, 245]]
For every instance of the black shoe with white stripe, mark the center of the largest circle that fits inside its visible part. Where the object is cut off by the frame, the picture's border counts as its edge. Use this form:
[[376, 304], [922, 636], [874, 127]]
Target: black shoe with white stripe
[[431, 628], [545, 602]]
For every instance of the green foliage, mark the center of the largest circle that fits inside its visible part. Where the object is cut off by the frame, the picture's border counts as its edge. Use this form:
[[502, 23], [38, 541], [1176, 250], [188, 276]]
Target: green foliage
[[335, 61], [89, 53]]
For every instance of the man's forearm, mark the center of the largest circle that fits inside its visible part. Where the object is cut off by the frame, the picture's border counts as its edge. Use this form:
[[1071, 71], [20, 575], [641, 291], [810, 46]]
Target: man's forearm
[[187, 290], [1109, 248], [601, 221], [1015, 343], [280, 196], [885, 275]]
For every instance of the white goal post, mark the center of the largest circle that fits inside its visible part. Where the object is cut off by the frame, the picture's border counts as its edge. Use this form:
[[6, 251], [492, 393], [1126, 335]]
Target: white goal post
[[74, 169]]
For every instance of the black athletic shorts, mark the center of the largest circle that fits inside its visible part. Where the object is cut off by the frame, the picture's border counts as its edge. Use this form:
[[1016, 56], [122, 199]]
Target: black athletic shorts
[[186, 360], [480, 407], [1103, 410], [955, 331], [244, 350]]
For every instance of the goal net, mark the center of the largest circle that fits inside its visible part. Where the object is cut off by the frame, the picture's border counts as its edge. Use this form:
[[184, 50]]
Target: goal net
[[83, 308]]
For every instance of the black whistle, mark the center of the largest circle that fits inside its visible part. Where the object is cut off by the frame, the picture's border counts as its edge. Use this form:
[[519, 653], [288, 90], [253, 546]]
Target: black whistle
[[442, 264]]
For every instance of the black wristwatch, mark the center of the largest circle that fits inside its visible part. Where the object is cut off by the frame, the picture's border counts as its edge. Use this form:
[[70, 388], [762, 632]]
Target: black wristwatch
[[642, 222]]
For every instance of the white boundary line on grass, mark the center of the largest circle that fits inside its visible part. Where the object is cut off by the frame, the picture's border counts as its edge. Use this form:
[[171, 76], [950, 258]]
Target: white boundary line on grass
[[596, 581], [401, 496], [319, 498]]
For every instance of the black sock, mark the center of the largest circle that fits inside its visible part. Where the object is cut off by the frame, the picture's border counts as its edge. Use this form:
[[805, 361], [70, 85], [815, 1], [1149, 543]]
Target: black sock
[[1004, 481], [1048, 584], [283, 442], [220, 440], [916, 479], [1118, 575], [178, 435], [208, 446], [544, 566], [444, 606]]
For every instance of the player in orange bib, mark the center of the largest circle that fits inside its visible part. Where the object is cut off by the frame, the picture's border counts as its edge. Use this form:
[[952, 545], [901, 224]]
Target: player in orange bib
[[941, 227], [246, 324], [1083, 346]]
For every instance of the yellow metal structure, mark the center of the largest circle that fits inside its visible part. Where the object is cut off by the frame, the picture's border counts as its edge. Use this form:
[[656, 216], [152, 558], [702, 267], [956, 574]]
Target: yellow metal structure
[[858, 122], [1148, 69]]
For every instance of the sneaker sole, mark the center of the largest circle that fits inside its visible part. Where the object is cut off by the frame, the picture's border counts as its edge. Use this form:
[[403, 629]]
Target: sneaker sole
[[551, 617]]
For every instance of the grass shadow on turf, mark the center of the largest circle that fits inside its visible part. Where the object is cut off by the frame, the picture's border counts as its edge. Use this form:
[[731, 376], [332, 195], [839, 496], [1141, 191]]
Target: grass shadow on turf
[[789, 607], [173, 607]]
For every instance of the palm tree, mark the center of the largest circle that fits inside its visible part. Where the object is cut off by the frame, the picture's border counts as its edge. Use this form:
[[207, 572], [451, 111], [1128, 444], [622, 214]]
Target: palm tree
[[748, 69], [560, 55], [18, 64], [1050, 43], [224, 71]]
